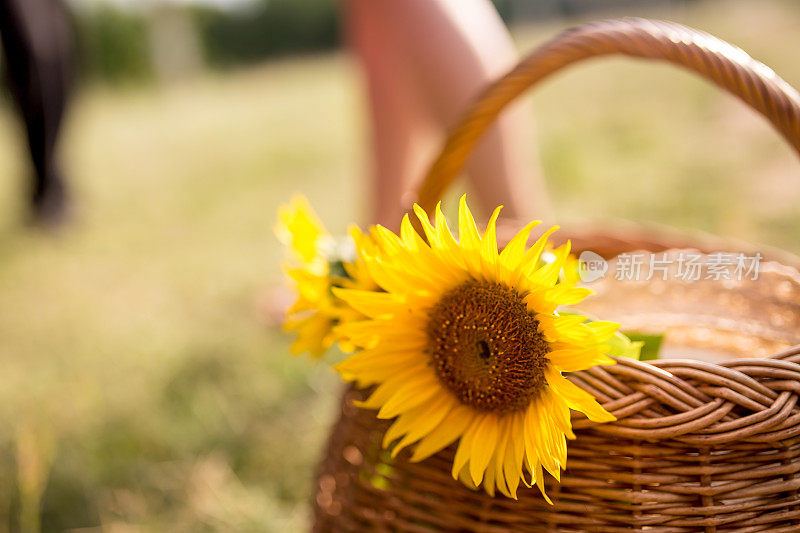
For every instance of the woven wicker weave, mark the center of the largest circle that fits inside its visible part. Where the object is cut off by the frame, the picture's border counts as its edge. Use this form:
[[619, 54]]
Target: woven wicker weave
[[698, 446]]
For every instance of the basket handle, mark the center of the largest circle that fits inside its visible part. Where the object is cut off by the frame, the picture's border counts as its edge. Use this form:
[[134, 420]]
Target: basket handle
[[725, 65]]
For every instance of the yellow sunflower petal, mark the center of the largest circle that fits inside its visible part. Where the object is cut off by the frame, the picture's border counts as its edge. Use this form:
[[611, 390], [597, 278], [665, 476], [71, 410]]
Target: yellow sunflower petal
[[367, 334], [537, 445], [445, 238], [577, 398], [451, 428], [560, 413], [411, 239], [553, 441], [502, 452], [573, 359], [489, 245], [563, 294], [490, 480], [427, 227], [530, 259], [513, 252], [464, 448], [467, 230], [369, 371], [387, 241], [539, 477], [313, 335], [417, 422], [409, 395], [389, 388], [483, 446], [299, 228], [511, 470], [372, 303], [604, 330], [548, 274]]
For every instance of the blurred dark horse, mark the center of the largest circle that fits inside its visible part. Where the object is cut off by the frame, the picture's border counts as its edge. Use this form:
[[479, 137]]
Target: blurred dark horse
[[37, 41]]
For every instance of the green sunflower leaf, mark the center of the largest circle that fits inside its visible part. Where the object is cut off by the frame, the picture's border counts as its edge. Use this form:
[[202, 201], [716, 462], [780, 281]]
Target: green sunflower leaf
[[621, 345], [650, 344]]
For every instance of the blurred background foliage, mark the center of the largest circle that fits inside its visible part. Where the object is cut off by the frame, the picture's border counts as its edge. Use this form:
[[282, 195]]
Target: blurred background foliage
[[116, 45], [266, 29], [116, 41], [140, 387], [112, 43]]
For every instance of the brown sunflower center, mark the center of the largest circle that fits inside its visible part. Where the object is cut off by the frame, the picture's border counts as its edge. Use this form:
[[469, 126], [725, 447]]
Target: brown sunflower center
[[486, 346]]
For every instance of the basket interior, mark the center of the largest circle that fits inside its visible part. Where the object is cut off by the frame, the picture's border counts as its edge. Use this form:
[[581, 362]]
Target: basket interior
[[706, 319]]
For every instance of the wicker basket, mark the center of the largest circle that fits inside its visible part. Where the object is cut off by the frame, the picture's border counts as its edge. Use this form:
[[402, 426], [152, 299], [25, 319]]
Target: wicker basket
[[698, 446]]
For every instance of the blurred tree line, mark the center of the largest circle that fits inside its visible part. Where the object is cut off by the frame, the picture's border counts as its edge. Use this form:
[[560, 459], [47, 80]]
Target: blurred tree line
[[116, 44], [128, 43]]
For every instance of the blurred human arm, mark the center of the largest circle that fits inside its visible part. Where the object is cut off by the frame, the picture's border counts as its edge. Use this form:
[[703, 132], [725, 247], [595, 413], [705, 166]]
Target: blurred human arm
[[424, 61]]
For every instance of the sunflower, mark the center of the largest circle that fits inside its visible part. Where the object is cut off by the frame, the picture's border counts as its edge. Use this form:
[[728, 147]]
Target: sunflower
[[467, 344], [316, 264]]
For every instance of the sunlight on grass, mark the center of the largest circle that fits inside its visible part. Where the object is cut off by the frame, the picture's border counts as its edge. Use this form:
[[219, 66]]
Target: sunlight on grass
[[134, 331]]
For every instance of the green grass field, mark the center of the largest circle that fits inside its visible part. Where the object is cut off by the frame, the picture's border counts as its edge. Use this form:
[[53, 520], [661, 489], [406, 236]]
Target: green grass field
[[140, 390]]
